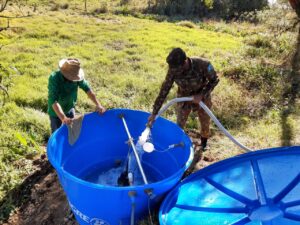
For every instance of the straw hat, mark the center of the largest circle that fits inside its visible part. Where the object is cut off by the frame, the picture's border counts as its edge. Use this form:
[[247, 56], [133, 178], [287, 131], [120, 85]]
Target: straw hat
[[70, 68]]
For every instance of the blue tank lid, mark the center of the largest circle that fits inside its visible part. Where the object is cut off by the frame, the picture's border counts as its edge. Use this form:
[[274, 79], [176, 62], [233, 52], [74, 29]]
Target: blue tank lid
[[257, 188]]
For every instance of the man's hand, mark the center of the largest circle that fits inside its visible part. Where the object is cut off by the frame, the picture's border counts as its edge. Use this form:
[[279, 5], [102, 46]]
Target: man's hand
[[60, 113], [100, 109], [67, 120], [151, 120], [197, 99]]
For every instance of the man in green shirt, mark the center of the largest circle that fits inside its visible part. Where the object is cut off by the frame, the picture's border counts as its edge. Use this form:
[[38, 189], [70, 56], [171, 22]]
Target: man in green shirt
[[62, 92]]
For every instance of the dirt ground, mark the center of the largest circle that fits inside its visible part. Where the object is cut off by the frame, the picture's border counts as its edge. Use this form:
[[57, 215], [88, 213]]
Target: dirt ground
[[45, 202]]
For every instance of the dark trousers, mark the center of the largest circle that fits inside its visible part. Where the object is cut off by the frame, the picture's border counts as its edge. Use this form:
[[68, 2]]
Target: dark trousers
[[55, 122]]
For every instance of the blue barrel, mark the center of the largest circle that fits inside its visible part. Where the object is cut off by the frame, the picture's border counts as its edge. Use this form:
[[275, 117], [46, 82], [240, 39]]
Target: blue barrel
[[102, 144], [257, 188]]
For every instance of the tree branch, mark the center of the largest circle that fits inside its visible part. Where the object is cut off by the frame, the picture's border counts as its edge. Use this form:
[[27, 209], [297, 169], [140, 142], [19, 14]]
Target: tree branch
[[3, 6]]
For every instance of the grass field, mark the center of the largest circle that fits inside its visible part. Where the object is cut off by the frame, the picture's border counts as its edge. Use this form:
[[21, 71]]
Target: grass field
[[124, 61]]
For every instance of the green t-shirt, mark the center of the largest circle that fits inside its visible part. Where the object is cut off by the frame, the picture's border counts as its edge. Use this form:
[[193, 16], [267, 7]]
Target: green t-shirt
[[64, 92]]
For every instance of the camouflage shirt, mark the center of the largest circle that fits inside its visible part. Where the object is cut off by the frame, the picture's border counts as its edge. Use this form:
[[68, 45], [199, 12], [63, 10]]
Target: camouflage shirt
[[201, 78]]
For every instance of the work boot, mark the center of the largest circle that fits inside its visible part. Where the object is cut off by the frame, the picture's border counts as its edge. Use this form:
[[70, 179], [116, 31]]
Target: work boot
[[204, 145]]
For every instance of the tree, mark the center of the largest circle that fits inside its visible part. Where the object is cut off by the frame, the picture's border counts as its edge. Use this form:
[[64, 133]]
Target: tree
[[233, 8], [3, 4], [182, 7], [200, 8]]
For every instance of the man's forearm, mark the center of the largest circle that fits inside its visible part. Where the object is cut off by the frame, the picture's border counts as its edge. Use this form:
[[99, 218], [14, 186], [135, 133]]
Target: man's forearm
[[92, 96], [164, 91], [58, 110]]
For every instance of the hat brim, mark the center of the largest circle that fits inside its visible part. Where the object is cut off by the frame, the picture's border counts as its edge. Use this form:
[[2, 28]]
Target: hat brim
[[78, 77]]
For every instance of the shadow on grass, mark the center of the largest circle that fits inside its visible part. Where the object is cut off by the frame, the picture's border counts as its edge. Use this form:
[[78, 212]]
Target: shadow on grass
[[37, 104]]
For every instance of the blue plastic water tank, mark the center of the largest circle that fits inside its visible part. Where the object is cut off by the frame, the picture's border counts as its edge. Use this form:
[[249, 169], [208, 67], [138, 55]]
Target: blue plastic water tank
[[257, 188], [101, 144]]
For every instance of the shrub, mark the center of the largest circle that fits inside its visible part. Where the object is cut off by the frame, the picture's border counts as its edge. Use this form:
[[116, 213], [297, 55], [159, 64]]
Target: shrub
[[254, 77], [54, 7], [64, 6], [234, 8], [124, 2], [249, 17], [124, 10], [187, 24], [103, 9], [235, 72], [260, 42]]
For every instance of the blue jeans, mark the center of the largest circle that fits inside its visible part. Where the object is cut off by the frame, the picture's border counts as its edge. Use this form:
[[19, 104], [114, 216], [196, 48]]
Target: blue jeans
[[55, 122]]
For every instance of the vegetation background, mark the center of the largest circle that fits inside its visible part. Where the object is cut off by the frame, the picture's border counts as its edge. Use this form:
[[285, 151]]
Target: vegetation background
[[123, 45]]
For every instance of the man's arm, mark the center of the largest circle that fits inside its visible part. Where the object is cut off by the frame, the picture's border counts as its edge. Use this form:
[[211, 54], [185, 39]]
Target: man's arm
[[84, 85], [213, 80], [99, 107], [164, 91], [60, 113]]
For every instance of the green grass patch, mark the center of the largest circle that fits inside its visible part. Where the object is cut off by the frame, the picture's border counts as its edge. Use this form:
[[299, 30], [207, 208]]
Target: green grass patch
[[22, 131]]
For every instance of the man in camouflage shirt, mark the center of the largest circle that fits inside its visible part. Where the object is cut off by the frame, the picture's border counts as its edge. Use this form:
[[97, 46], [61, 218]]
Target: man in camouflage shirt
[[194, 77]]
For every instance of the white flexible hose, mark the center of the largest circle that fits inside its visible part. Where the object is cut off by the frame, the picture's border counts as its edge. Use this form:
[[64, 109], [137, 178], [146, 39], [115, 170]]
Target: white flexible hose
[[171, 102], [211, 115]]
